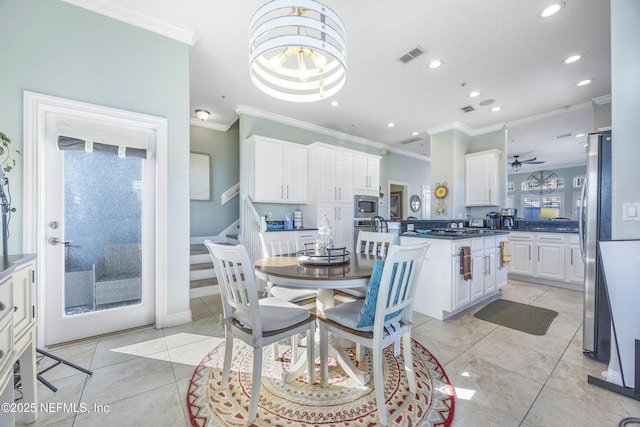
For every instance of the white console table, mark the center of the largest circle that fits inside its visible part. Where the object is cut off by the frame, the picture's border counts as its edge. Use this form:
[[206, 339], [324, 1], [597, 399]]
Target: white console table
[[17, 335]]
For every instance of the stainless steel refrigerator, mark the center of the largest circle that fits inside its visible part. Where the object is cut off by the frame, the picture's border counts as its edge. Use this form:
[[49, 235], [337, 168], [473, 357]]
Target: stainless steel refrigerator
[[595, 226]]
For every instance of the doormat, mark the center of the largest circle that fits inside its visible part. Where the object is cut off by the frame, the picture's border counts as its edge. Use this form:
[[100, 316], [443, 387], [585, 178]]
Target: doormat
[[521, 317]]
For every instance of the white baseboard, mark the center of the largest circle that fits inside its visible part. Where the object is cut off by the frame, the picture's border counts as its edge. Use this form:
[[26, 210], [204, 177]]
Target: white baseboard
[[204, 291], [176, 319]]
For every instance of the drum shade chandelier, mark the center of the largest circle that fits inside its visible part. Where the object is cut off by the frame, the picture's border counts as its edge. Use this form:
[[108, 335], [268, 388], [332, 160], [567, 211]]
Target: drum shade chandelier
[[297, 50]]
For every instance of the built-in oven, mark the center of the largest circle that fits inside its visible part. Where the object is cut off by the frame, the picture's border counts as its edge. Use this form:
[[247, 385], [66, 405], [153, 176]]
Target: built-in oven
[[365, 206], [358, 226]]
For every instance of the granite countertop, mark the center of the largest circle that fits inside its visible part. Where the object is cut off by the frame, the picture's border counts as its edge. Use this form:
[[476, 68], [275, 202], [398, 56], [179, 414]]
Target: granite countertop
[[452, 236], [545, 225], [10, 262]]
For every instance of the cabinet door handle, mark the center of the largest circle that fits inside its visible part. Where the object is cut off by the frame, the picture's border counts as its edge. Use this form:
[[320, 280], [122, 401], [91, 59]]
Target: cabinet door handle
[[335, 193], [571, 256], [538, 253], [281, 191], [287, 191], [529, 253]]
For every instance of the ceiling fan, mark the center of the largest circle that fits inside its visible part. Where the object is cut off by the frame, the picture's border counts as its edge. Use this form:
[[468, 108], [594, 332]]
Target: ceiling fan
[[517, 164]]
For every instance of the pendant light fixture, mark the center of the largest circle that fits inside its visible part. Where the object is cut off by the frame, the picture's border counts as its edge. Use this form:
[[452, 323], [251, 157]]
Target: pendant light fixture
[[297, 50]]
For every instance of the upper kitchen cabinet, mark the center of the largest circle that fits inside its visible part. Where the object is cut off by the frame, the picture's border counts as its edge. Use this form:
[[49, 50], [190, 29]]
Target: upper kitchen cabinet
[[331, 172], [482, 179], [366, 174], [280, 171]]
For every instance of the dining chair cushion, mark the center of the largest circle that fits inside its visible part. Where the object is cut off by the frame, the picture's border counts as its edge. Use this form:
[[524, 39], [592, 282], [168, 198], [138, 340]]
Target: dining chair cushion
[[293, 294], [347, 314], [368, 311], [275, 314]]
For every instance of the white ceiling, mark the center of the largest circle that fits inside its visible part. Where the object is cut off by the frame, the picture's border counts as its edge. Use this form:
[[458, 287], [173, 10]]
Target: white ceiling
[[502, 48]]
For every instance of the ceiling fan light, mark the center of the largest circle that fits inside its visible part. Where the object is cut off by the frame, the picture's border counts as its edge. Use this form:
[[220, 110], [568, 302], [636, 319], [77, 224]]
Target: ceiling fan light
[[297, 50], [516, 166]]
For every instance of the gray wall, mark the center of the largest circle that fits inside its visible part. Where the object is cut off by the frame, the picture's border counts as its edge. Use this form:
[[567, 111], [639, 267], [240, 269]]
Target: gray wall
[[58, 49], [569, 192], [395, 167], [625, 91], [210, 217]]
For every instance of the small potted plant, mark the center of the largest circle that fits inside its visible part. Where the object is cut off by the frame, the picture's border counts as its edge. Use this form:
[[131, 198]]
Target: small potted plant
[[6, 161]]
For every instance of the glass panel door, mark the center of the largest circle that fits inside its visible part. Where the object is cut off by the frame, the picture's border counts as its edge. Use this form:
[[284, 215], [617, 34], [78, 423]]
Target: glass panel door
[[103, 225]]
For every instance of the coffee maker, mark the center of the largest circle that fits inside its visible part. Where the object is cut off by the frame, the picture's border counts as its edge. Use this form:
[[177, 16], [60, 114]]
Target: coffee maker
[[493, 220], [508, 218]]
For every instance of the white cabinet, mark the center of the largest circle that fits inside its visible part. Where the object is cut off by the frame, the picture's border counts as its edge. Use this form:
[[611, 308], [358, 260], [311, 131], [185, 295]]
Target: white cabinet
[[340, 216], [280, 171], [366, 174], [18, 336], [443, 291], [550, 260], [332, 171], [522, 249], [482, 183], [574, 264]]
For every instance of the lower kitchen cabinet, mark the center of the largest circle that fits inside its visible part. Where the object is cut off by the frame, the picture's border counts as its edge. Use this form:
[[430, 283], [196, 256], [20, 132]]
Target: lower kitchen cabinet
[[443, 291], [547, 258]]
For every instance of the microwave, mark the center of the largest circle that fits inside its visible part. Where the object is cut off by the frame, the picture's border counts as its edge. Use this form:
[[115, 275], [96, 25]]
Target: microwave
[[365, 206]]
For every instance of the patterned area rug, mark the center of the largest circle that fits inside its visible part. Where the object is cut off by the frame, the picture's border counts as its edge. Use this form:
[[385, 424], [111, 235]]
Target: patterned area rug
[[343, 402]]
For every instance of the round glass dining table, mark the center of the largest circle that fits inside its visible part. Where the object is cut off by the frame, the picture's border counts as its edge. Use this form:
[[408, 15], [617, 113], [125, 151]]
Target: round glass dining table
[[288, 271]]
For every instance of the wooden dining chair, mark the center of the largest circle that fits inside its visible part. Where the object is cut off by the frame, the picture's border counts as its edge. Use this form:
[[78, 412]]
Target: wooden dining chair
[[381, 319], [257, 322]]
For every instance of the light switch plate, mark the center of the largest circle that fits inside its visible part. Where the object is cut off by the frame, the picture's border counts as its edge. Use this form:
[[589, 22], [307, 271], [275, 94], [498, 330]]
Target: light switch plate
[[631, 211]]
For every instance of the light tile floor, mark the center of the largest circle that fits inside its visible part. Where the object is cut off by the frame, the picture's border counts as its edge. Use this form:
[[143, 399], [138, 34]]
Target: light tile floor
[[502, 377]]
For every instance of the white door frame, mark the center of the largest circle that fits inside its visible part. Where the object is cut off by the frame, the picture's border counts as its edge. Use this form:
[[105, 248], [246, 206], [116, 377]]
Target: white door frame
[[36, 109]]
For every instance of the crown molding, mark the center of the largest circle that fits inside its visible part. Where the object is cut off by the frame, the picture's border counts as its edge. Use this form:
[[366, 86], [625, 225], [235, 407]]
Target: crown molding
[[601, 100], [210, 125], [120, 13], [465, 129], [243, 109], [548, 114]]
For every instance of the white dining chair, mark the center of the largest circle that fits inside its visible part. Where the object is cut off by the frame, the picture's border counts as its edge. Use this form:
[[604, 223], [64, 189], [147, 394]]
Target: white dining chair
[[381, 319], [257, 322], [280, 243], [373, 243]]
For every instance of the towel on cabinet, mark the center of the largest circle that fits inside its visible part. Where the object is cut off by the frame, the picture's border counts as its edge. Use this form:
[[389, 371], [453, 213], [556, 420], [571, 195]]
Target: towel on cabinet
[[465, 262], [505, 253]]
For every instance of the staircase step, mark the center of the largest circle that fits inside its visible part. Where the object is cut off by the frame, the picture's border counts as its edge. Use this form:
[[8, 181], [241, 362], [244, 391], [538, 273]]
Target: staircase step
[[199, 248], [202, 266], [203, 282]]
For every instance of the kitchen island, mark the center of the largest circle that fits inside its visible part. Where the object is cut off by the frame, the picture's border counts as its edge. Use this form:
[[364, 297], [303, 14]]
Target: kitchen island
[[443, 291]]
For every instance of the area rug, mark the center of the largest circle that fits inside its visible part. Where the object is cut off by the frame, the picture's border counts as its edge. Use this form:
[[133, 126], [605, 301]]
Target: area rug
[[343, 402], [521, 317]]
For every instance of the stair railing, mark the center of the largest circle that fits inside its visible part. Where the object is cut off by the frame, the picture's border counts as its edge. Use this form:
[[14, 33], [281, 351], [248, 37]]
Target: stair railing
[[252, 225]]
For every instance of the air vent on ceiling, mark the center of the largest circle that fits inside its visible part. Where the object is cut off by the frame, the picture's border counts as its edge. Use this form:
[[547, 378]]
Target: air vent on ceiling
[[468, 109], [411, 55], [409, 141], [564, 135]]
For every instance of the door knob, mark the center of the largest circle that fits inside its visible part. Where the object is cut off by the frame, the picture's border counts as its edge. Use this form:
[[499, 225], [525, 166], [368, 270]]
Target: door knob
[[56, 241]]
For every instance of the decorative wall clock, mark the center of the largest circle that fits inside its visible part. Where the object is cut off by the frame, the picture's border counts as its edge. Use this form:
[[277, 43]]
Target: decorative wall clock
[[542, 182], [415, 203]]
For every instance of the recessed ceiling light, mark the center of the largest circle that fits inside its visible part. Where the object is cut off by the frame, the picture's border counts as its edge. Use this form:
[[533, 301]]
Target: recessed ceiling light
[[390, 125], [552, 9], [573, 58], [494, 109], [335, 103], [415, 133], [474, 94], [436, 63], [580, 135], [487, 102], [584, 82]]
